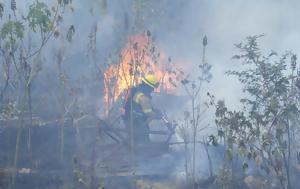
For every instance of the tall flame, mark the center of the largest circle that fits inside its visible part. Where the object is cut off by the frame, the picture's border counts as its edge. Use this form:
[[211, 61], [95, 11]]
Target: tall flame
[[138, 58]]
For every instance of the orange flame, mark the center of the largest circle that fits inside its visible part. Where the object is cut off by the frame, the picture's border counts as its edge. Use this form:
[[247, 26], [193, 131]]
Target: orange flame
[[137, 59]]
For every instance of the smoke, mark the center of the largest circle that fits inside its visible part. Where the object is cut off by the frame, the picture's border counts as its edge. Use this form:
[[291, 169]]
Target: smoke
[[226, 23], [178, 27]]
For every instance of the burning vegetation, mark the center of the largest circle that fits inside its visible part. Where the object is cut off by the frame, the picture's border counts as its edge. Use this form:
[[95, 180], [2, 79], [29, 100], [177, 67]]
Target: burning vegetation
[[138, 58]]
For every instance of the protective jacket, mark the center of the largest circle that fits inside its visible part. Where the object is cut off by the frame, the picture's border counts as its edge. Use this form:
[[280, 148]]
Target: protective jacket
[[138, 105]]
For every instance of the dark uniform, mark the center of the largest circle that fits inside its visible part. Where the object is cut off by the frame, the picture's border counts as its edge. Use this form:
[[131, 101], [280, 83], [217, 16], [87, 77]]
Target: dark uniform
[[139, 112]]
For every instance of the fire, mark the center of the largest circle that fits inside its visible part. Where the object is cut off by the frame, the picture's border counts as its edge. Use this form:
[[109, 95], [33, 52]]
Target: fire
[[138, 58]]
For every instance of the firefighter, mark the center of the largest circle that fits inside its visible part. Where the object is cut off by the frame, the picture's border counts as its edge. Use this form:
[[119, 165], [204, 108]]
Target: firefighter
[[139, 110]]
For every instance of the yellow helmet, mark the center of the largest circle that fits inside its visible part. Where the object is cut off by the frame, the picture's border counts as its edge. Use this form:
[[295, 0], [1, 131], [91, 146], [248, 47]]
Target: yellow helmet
[[151, 80]]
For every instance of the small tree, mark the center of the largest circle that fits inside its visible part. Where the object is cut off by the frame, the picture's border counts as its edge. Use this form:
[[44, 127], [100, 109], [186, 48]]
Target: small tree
[[266, 131], [22, 39], [193, 117]]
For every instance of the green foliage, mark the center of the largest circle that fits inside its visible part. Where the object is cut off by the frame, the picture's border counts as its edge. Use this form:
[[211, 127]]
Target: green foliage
[[232, 128], [10, 32], [10, 111], [221, 109], [64, 2], [39, 16], [224, 178], [12, 29], [1, 9], [263, 131], [71, 32], [245, 166], [266, 81]]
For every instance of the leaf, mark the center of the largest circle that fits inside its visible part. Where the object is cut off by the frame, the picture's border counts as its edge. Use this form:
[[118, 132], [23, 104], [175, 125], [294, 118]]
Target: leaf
[[64, 2], [273, 53], [249, 155], [221, 108], [171, 81], [1, 9], [245, 166], [185, 81], [14, 28], [10, 111], [229, 154], [39, 16], [71, 32], [293, 61], [274, 104], [221, 133], [19, 29], [265, 141], [236, 57], [56, 34]]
